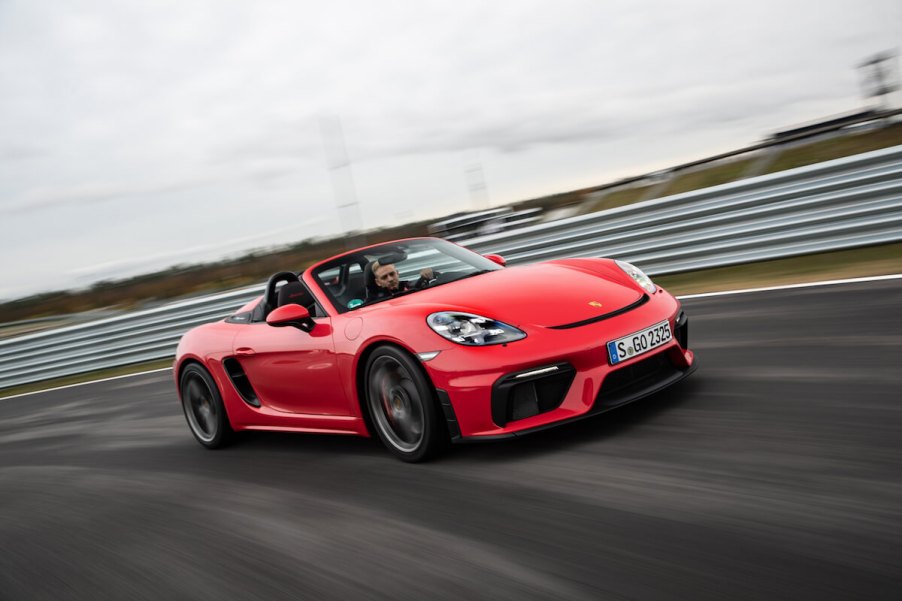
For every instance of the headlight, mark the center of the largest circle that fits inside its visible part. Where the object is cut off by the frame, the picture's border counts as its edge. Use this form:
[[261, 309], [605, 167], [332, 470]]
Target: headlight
[[638, 275], [472, 330]]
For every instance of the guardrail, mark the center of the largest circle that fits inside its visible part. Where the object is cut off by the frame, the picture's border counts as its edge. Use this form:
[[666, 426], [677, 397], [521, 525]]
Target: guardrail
[[850, 202]]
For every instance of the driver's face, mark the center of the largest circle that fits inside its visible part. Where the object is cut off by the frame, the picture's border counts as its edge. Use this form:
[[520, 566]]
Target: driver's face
[[387, 277]]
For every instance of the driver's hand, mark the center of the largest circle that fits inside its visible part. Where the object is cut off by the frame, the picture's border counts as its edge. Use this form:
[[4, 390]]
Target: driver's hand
[[427, 274]]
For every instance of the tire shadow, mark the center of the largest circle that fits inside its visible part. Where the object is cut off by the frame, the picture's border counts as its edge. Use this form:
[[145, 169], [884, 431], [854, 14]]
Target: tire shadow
[[287, 448]]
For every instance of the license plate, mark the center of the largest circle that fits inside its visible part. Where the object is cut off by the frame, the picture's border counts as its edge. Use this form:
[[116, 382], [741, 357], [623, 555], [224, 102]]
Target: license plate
[[639, 342]]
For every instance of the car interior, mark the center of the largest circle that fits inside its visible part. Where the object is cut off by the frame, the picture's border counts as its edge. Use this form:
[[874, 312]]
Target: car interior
[[347, 281], [353, 282], [284, 288]]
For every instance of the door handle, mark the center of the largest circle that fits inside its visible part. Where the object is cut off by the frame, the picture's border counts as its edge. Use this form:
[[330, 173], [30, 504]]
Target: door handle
[[244, 351]]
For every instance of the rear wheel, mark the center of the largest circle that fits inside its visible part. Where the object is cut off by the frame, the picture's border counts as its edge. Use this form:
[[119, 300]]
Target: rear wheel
[[402, 406], [203, 407]]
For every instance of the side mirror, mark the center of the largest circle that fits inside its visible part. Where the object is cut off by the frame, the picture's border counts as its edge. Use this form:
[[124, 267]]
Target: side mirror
[[290, 315], [496, 259]]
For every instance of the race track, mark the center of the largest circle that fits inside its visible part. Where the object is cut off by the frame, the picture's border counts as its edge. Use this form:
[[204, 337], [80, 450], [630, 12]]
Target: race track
[[774, 472]]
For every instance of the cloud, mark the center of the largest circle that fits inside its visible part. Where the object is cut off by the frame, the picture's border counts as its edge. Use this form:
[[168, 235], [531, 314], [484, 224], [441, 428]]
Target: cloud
[[13, 152], [84, 195], [127, 104]]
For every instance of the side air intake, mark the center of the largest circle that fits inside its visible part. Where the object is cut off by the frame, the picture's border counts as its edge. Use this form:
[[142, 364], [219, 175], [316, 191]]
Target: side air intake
[[240, 381]]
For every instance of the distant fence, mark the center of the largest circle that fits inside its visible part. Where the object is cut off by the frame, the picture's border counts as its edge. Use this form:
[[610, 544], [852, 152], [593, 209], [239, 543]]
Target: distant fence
[[846, 203]]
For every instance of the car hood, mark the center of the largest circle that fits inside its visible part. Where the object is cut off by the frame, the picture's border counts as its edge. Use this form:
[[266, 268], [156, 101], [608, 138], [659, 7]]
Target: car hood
[[543, 294]]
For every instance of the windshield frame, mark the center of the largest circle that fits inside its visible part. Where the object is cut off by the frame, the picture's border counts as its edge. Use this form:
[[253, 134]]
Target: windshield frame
[[348, 286]]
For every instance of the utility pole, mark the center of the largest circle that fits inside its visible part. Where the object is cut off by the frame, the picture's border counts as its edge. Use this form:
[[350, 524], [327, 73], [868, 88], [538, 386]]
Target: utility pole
[[479, 193], [880, 77], [339, 166]]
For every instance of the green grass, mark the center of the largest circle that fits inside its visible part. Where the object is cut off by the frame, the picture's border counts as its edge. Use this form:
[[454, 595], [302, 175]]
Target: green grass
[[618, 198], [711, 176], [883, 259], [798, 156], [838, 147], [874, 260]]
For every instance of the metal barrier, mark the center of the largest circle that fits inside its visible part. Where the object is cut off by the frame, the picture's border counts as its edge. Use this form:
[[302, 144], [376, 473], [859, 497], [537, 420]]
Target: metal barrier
[[850, 202]]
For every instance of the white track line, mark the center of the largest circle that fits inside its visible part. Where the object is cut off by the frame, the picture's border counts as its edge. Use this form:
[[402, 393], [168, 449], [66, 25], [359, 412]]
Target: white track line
[[687, 296], [140, 373], [876, 278]]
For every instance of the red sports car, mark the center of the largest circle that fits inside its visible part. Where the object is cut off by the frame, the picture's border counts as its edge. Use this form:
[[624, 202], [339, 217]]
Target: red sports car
[[424, 342]]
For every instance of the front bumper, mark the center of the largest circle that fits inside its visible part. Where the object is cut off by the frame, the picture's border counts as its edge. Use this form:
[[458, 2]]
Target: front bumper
[[483, 399], [603, 404]]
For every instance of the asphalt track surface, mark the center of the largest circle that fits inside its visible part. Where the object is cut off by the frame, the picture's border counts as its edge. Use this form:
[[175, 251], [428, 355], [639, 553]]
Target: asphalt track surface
[[774, 472]]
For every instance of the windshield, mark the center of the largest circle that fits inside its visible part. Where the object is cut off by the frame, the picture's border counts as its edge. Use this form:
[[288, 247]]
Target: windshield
[[396, 268]]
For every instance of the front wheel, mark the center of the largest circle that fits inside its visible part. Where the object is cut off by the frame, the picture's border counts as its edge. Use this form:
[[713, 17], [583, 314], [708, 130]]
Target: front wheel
[[402, 405], [203, 408]]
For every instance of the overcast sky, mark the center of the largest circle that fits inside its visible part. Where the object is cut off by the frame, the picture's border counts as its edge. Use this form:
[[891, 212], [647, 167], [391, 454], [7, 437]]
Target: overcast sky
[[139, 134]]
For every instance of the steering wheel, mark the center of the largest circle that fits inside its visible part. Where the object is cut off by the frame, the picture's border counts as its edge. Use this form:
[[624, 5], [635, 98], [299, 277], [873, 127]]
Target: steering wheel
[[426, 282]]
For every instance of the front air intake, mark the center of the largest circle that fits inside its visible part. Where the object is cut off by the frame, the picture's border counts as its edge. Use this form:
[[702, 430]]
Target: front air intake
[[634, 381], [531, 392]]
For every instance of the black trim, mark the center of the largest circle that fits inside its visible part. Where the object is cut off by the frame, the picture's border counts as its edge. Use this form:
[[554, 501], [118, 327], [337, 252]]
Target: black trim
[[681, 330], [240, 381], [598, 318], [270, 295], [258, 313], [636, 379], [244, 317], [597, 408], [517, 397], [450, 417]]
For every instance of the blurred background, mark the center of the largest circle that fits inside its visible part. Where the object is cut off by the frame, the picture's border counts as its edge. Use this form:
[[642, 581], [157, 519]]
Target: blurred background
[[138, 136], [158, 160]]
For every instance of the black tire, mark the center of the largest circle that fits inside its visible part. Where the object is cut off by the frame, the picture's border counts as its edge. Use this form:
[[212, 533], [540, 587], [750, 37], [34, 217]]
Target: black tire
[[203, 408], [402, 406]]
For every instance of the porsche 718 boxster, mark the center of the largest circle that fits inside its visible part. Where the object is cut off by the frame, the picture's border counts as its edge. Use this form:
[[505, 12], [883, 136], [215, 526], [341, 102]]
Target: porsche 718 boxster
[[422, 342]]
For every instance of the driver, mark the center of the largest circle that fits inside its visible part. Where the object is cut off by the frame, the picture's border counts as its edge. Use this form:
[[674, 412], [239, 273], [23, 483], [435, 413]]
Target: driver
[[388, 281]]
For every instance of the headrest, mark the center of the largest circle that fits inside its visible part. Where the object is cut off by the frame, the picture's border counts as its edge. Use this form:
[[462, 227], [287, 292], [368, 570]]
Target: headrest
[[293, 293], [271, 296]]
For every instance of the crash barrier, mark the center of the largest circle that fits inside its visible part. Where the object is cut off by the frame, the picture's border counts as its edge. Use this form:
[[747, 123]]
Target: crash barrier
[[845, 203]]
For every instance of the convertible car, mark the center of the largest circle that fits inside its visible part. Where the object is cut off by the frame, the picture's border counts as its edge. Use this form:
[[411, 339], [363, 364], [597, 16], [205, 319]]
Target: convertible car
[[422, 342]]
